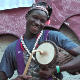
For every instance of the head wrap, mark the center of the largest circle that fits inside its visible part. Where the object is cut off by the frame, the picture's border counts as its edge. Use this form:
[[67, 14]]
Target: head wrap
[[41, 6]]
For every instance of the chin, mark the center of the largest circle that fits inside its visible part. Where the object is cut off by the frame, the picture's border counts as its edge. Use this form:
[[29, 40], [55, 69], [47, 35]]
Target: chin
[[35, 33]]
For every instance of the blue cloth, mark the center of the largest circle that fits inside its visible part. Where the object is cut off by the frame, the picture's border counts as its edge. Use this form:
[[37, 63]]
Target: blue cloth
[[8, 62], [61, 40]]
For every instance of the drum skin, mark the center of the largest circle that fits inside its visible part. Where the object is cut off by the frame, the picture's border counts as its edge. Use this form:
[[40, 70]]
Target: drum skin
[[49, 53]]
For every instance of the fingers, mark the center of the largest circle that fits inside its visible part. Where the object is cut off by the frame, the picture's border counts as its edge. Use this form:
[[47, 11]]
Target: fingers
[[44, 74], [22, 77], [25, 77]]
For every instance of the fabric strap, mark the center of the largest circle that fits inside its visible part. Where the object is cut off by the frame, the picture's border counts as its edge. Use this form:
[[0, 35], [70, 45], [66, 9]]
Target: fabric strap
[[19, 58]]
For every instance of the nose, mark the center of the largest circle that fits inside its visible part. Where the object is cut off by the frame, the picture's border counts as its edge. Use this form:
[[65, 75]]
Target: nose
[[39, 23]]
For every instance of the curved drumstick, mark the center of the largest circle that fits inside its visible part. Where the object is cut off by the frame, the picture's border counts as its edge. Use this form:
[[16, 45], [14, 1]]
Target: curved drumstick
[[29, 60]]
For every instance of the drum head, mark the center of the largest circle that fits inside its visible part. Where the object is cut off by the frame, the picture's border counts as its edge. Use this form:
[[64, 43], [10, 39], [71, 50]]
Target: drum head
[[48, 48]]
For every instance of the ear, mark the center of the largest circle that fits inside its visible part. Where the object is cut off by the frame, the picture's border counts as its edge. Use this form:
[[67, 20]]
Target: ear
[[48, 22]]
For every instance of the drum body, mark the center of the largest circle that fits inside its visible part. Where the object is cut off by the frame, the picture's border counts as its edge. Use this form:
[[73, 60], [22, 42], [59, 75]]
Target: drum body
[[54, 56]]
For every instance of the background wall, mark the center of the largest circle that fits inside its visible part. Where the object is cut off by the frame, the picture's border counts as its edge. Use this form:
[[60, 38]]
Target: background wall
[[4, 41]]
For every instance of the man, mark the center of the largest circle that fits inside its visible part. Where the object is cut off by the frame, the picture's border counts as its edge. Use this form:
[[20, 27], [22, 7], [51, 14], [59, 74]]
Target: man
[[17, 53]]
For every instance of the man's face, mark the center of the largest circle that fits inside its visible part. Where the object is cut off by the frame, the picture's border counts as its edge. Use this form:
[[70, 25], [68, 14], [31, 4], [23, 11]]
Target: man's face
[[36, 21]]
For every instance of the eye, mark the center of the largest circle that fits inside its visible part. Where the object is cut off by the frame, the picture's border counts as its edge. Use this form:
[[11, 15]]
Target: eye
[[43, 21], [35, 17]]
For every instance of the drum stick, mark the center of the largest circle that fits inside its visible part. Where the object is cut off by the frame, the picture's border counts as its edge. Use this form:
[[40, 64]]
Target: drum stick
[[29, 60], [27, 65]]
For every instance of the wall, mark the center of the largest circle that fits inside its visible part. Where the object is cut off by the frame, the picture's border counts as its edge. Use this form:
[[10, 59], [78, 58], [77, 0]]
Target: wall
[[4, 41]]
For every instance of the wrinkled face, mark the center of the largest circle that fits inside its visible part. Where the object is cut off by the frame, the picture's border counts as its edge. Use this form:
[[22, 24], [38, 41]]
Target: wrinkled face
[[36, 21]]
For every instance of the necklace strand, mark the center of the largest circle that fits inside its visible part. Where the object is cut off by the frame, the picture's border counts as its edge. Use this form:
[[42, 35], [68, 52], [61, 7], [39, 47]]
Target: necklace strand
[[25, 47]]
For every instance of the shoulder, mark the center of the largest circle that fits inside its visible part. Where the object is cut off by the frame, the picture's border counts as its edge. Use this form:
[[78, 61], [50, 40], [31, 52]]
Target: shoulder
[[61, 40], [52, 32], [12, 45], [11, 48], [8, 62], [55, 34]]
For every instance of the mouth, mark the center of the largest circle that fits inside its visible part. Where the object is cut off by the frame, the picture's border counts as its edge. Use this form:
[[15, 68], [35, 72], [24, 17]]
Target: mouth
[[35, 29]]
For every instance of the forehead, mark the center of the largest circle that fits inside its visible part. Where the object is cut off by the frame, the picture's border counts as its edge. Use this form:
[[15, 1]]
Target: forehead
[[38, 13]]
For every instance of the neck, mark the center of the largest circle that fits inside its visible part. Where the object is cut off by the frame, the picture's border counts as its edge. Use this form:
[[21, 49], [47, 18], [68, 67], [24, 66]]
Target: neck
[[28, 35]]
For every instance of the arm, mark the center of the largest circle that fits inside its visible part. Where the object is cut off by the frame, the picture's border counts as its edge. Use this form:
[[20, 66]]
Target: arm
[[3, 76], [7, 65], [73, 65], [74, 49]]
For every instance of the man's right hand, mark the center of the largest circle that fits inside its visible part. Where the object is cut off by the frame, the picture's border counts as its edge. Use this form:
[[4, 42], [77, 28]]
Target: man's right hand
[[22, 77]]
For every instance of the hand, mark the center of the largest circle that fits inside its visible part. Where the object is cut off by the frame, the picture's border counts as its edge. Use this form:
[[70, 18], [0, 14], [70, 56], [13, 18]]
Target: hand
[[46, 73], [22, 77]]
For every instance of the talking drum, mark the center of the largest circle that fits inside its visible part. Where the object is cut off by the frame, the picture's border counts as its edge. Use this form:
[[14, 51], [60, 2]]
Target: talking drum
[[49, 53]]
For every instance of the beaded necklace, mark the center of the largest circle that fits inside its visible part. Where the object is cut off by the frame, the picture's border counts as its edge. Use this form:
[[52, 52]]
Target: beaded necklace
[[25, 46]]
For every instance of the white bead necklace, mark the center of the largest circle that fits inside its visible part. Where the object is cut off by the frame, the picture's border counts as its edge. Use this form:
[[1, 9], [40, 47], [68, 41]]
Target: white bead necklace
[[25, 47]]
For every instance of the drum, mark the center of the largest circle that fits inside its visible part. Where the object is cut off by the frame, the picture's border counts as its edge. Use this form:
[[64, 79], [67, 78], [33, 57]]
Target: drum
[[49, 53], [48, 56]]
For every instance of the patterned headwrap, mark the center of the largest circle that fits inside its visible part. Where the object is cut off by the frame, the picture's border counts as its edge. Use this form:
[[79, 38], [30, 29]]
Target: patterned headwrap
[[41, 6]]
